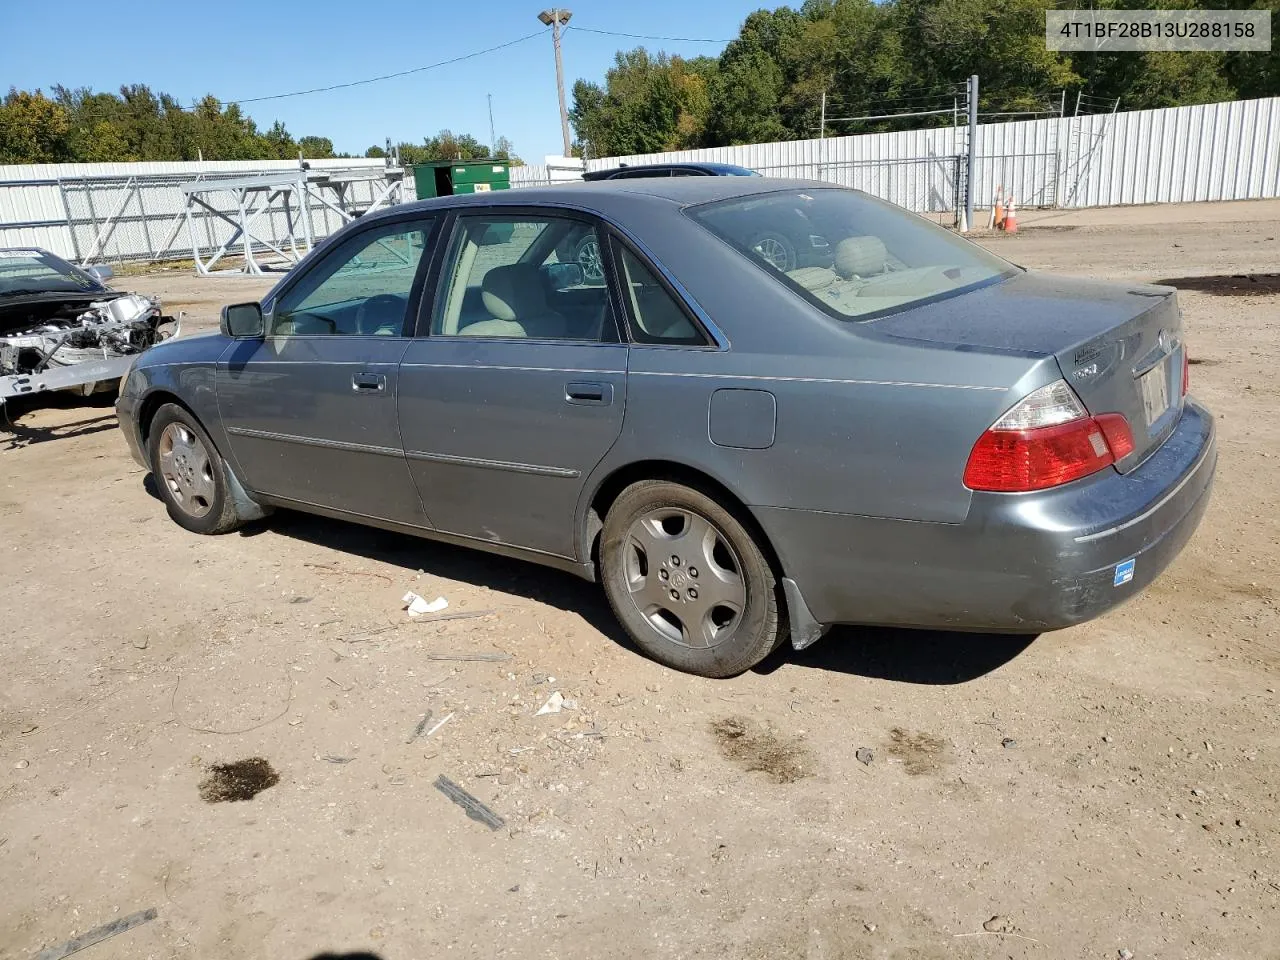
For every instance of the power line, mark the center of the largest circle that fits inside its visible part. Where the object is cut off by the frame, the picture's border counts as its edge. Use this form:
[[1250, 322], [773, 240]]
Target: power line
[[644, 36], [392, 76]]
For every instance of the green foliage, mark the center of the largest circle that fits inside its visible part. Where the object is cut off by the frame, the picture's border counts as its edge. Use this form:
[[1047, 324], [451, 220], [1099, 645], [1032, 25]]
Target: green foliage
[[446, 145], [893, 56], [33, 129], [648, 103], [137, 124]]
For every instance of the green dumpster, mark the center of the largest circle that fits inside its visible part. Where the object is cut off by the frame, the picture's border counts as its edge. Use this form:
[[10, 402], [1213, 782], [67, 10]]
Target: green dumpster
[[444, 178]]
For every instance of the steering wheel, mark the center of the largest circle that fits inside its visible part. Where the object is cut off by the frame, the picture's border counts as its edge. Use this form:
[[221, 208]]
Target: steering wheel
[[381, 304]]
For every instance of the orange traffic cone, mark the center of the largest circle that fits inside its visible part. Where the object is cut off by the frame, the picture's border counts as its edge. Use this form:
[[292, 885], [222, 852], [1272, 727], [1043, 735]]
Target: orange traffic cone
[[997, 210], [1011, 218]]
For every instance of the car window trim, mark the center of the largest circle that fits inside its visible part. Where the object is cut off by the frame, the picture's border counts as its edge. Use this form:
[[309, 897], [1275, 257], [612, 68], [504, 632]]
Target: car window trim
[[415, 289], [430, 306], [713, 337]]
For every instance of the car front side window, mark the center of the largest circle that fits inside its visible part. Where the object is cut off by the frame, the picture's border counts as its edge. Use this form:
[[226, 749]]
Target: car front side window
[[362, 288]]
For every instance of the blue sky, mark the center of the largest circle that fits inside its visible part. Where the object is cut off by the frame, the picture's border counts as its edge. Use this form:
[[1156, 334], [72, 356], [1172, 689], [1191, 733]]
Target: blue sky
[[250, 48]]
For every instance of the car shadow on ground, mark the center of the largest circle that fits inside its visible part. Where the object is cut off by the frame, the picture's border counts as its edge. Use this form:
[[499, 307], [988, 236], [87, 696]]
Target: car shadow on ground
[[346, 956], [516, 577], [906, 656], [926, 657], [94, 414]]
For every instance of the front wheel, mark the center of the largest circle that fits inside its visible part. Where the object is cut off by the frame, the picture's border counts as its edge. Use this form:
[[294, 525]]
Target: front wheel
[[587, 255], [688, 581], [189, 473]]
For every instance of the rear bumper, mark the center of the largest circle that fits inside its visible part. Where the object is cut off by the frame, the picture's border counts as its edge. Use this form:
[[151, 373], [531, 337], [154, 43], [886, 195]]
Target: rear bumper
[[1019, 562]]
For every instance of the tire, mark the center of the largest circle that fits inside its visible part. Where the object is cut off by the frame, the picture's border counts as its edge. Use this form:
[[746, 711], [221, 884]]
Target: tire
[[587, 255], [189, 473], [689, 581], [775, 249]]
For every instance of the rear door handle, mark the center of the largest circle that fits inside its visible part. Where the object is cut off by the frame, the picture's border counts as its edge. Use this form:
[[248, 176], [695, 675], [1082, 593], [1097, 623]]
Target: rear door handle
[[600, 394], [368, 383]]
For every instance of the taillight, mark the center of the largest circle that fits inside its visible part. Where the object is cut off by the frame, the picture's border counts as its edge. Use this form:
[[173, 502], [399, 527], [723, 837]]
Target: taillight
[[1046, 439], [1186, 371]]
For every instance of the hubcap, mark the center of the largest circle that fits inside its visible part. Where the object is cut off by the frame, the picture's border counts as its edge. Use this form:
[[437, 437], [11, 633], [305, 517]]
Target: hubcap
[[684, 577], [589, 260], [774, 252], [186, 470]]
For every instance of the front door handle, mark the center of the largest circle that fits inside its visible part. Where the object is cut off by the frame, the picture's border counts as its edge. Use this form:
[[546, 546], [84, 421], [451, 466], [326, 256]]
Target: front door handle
[[368, 383], [599, 394]]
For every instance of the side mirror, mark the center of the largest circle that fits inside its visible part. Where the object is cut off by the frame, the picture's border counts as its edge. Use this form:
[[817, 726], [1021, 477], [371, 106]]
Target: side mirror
[[563, 276], [243, 321], [101, 272]]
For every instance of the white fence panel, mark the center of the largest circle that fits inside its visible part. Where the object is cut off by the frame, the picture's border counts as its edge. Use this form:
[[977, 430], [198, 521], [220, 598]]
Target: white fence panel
[[1216, 151]]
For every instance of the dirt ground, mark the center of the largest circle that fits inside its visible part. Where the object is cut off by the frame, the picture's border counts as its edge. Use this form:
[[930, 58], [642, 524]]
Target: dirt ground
[[1105, 789]]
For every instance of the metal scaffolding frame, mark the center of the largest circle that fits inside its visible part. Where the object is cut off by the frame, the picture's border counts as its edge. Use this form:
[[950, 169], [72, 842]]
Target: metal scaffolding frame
[[259, 194]]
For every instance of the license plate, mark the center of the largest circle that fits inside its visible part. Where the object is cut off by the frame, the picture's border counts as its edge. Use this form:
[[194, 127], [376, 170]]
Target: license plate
[[1155, 392]]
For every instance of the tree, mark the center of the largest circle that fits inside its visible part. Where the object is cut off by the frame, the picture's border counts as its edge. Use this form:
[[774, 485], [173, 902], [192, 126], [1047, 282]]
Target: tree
[[33, 129], [648, 104], [280, 142], [502, 150], [874, 57], [316, 148]]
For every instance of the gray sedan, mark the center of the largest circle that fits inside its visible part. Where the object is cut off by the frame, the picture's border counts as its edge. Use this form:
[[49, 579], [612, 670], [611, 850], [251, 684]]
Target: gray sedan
[[917, 433]]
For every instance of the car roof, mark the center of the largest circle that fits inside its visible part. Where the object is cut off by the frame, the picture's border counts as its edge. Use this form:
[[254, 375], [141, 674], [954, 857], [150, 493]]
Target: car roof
[[609, 196]]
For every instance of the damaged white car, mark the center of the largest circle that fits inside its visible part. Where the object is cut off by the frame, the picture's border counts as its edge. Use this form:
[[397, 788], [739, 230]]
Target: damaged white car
[[62, 328]]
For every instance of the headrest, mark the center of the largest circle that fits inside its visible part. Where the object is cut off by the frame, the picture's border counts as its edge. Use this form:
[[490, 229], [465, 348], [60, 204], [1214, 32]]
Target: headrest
[[513, 291], [860, 257]]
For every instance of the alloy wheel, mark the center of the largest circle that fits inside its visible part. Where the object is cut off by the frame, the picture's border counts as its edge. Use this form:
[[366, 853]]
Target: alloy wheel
[[684, 577], [187, 470]]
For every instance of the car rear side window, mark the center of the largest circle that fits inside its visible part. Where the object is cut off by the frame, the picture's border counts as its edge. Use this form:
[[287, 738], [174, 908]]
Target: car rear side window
[[656, 316], [525, 277], [853, 255]]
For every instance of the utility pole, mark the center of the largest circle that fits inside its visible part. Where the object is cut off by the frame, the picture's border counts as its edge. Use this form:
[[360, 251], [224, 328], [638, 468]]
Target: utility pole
[[822, 136], [554, 18], [493, 138], [973, 149]]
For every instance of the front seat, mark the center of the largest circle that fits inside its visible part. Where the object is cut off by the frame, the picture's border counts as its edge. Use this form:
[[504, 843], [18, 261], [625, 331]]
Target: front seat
[[514, 293]]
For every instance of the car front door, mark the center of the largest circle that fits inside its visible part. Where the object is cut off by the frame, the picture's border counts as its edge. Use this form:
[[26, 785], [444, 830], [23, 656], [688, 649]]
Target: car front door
[[517, 390], [310, 409]]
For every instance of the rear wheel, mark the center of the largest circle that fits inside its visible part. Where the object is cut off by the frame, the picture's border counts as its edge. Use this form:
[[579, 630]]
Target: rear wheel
[[776, 250], [189, 473], [688, 581]]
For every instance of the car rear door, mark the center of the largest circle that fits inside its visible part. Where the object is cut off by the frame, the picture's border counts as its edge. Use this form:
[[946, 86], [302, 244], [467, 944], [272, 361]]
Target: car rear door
[[310, 409], [516, 388]]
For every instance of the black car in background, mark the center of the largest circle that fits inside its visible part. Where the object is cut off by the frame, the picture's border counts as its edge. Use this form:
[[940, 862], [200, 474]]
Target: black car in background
[[691, 169]]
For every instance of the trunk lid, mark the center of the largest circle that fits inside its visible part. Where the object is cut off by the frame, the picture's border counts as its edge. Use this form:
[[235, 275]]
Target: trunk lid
[[1119, 345]]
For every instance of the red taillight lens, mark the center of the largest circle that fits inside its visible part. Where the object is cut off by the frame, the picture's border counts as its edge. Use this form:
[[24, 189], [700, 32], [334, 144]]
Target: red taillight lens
[[1018, 453], [1186, 371], [1116, 429]]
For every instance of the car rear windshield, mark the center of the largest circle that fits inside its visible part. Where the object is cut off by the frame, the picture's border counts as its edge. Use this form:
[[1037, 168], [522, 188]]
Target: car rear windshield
[[855, 256]]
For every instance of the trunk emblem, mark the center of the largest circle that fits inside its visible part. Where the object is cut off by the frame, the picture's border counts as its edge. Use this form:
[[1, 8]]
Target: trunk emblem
[[1084, 373]]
